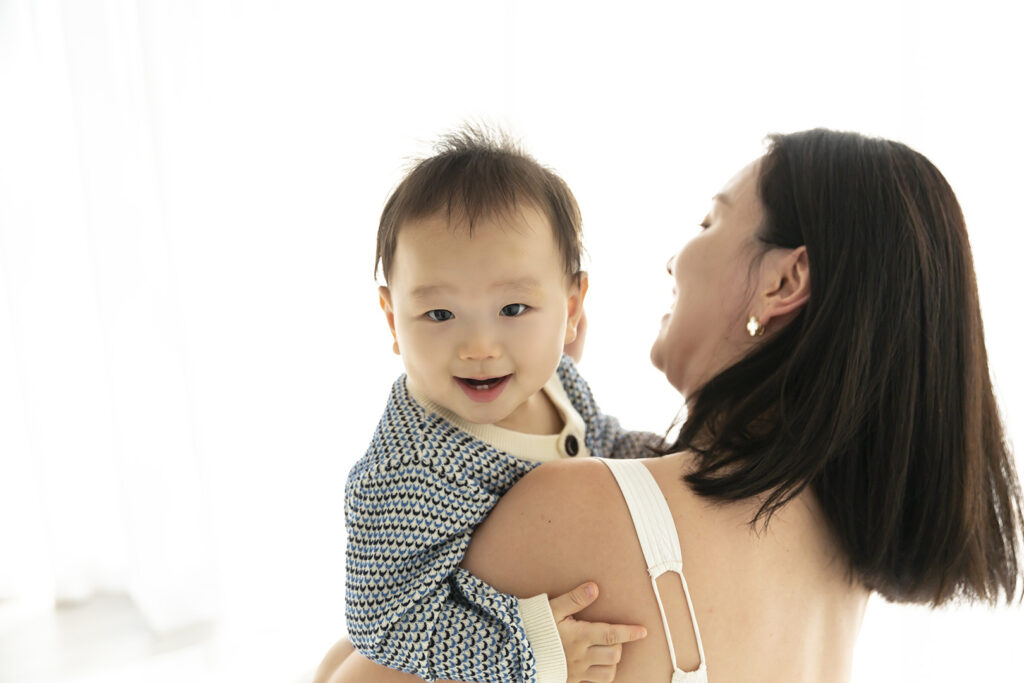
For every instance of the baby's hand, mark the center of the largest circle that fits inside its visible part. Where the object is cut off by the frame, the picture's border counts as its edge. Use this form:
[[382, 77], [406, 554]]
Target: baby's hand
[[592, 650]]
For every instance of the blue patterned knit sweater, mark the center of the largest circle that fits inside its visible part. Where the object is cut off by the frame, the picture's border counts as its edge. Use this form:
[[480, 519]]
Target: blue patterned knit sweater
[[411, 504]]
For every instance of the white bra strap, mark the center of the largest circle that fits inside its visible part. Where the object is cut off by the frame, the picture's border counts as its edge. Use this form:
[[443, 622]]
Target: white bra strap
[[664, 617], [651, 517], [693, 617], [657, 534], [668, 631]]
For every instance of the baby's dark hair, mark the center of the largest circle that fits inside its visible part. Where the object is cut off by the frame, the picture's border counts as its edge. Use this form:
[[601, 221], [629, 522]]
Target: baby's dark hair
[[478, 173]]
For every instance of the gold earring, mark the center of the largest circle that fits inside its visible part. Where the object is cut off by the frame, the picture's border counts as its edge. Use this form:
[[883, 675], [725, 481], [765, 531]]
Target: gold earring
[[754, 327]]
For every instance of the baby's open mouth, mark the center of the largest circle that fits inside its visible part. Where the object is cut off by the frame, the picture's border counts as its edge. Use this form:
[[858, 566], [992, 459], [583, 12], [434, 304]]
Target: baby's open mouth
[[483, 389], [483, 384]]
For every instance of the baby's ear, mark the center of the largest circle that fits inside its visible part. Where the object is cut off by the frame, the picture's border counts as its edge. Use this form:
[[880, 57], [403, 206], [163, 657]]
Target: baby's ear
[[577, 293], [576, 320], [389, 313]]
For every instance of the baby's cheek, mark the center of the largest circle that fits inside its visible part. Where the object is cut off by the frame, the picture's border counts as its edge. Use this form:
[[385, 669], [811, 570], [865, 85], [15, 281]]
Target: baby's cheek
[[426, 351], [545, 341]]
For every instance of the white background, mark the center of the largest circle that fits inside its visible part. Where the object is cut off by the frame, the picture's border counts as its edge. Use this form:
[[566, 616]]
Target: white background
[[191, 352]]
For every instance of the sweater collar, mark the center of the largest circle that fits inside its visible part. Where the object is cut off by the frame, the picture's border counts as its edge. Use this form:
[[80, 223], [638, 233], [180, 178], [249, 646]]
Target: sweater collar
[[570, 442]]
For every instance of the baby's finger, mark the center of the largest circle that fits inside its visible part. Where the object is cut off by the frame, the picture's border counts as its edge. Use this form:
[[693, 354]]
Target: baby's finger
[[572, 602], [604, 655], [611, 634], [601, 674]]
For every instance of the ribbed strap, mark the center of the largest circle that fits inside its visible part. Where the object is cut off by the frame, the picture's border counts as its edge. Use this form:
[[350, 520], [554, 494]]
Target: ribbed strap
[[660, 544]]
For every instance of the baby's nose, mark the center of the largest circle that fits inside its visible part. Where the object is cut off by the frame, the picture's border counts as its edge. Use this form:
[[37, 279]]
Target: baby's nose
[[480, 345]]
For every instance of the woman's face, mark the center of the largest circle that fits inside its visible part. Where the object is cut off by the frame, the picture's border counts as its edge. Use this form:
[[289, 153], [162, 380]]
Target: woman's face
[[705, 330]]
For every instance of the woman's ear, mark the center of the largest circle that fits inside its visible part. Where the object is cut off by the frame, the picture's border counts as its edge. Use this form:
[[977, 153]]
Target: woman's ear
[[389, 313], [786, 284]]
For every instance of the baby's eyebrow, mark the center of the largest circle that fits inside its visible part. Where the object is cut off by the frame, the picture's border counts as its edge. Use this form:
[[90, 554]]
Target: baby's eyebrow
[[522, 283], [426, 291]]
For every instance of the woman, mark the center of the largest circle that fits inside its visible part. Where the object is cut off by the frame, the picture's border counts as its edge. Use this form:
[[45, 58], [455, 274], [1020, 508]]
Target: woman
[[841, 435]]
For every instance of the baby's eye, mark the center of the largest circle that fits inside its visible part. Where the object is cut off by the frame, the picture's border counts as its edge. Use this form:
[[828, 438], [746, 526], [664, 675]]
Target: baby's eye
[[439, 315], [514, 310]]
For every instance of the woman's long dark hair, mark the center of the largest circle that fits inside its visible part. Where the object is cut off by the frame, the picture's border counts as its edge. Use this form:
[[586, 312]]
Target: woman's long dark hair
[[877, 395]]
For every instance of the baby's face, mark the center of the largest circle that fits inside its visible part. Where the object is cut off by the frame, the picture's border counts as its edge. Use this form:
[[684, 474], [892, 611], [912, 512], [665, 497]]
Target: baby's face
[[480, 321]]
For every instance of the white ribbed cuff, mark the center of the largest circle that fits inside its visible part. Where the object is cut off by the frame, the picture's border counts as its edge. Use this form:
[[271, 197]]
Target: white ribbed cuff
[[539, 624]]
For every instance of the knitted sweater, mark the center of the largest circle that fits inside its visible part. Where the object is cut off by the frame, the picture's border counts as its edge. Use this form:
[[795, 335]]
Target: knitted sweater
[[411, 504]]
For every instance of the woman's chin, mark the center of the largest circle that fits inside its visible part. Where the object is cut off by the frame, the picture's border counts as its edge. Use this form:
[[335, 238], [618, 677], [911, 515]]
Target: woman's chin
[[656, 354]]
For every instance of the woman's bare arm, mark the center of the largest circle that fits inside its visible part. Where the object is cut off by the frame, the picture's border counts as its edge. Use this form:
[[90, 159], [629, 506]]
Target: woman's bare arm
[[533, 539], [561, 525], [546, 535]]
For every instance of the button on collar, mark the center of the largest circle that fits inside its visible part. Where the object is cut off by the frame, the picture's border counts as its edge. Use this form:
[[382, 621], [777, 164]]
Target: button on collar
[[572, 446]]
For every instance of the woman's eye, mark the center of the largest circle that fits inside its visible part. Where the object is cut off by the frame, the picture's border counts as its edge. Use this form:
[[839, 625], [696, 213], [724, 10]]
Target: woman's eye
[[513, 310], [705, 224], [439, 315]]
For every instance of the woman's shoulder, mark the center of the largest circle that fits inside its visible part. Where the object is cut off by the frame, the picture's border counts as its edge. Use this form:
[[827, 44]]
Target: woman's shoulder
[[546, 525], [555, 495], [562, 476], [558, 493], [561, 511]]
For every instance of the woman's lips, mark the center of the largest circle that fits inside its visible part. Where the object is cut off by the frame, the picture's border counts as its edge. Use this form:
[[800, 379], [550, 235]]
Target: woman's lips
[[483, 390]]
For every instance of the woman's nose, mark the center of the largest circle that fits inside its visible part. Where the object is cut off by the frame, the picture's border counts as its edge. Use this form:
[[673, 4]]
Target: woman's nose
[[668, 266]]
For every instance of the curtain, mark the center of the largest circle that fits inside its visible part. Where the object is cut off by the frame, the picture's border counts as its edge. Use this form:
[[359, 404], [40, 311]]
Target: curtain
[[102, 487]]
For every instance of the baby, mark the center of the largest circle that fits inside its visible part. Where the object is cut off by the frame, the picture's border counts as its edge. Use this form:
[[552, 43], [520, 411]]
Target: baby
[[480, 249]]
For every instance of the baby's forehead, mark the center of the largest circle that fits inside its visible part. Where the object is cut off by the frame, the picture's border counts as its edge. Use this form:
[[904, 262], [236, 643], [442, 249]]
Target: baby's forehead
[[439, 231], [489, 256], [457, 219]]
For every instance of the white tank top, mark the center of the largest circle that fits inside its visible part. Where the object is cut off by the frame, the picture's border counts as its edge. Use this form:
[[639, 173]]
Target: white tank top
[[660, 543]]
